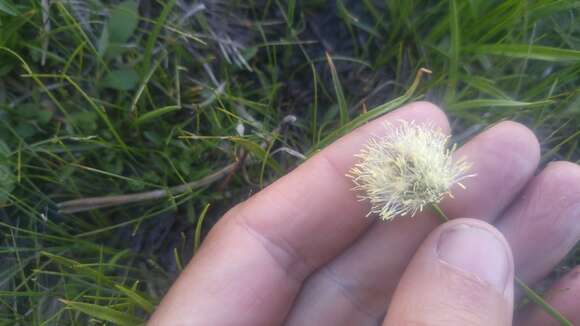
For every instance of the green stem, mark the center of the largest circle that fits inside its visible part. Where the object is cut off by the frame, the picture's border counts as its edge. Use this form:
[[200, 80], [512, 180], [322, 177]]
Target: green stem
[[440, 213], [537, 299], [530, 293]]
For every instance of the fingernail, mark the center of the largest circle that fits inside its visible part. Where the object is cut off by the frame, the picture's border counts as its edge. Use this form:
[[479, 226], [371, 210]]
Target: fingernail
[[476, 251]]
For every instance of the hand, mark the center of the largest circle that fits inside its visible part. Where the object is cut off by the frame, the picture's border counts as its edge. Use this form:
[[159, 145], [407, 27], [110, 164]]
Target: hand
[[301, 251]]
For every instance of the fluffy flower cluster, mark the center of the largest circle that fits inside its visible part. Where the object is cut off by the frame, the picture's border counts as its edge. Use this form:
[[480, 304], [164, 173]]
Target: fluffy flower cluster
[[406, 170]]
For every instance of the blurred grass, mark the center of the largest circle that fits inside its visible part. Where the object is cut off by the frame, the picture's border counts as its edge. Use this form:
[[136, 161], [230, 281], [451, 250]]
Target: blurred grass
[[107, 98]]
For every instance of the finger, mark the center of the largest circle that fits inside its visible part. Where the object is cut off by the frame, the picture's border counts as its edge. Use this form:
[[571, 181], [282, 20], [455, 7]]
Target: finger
[[461, 275], [254, 261], [564, 296], [542, 226], [357, 285]]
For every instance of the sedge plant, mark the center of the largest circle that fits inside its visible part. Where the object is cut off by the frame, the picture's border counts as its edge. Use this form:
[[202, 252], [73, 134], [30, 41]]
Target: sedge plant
[[410, 168]]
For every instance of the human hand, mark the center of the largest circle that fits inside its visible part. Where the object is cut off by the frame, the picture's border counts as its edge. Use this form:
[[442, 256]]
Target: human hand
[[301, 251]]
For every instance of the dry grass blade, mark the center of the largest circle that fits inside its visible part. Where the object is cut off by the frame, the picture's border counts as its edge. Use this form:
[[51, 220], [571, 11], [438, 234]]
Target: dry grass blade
[[90, 203]]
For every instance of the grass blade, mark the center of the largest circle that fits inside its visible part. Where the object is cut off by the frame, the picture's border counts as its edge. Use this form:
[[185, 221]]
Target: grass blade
[[342, 106], [526, 51], [159, 23], [200, 219], [371, 114], [155, 114], [487, 103], [104, 313], [455, 48], [136, 298]]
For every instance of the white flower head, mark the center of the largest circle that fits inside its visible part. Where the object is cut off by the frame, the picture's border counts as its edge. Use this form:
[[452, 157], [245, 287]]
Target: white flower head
[[406, 170]]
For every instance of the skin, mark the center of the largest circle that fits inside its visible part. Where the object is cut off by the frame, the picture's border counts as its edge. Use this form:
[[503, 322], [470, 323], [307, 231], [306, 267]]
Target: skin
[[301, 252]]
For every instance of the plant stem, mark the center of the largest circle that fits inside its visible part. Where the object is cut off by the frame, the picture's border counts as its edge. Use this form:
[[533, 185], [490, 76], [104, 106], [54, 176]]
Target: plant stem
[[530, 293], [440, 213], [86, 204], [537, 299]]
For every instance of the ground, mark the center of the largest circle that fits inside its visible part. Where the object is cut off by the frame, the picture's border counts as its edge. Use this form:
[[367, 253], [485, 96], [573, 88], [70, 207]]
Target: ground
[[109, 98]]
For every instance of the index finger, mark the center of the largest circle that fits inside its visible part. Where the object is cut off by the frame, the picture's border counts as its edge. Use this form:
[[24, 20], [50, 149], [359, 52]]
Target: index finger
[[255, 259]]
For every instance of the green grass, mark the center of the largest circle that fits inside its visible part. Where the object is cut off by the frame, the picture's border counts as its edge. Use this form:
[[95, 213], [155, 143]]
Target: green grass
[[108, 99]]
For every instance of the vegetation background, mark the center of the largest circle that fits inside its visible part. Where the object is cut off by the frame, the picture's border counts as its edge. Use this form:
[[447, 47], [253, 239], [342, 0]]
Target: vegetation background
[[101, 98]]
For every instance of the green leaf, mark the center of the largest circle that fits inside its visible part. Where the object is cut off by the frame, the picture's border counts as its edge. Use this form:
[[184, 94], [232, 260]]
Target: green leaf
[[103, 42], [371, 114], [123, 21], [454, 50], [11, 29], [258, 151], [7, 177], [526, 51], [486, 103], [156, 113], [150, 44], [137, 298], [5, 67], [44, 116], [342, 105], [85, 120], [484, 85], [79, 268], [7, 7], [200, 219], [122, 79], [104, 313]]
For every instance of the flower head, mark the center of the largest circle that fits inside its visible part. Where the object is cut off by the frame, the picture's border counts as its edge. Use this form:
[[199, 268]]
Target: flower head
[[406, 170]]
